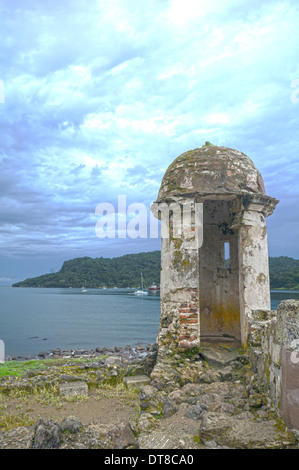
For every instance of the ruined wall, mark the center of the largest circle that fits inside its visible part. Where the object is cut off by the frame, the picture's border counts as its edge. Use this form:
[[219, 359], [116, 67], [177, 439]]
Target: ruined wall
[[273, 346], [254, 267], [179, 321]]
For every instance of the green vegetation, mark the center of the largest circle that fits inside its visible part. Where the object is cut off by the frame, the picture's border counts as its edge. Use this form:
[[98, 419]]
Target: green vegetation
[[125, 271], [18, 368], [284, 273]]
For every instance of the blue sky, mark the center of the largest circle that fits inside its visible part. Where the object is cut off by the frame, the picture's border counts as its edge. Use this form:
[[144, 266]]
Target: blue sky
[[101, 96]]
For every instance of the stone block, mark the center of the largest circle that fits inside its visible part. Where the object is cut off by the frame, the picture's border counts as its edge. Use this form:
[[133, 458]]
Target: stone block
[[137, 381], [113, 361], [46, 434], [73, 388], [276, 353], [159, 440], [219, 356]]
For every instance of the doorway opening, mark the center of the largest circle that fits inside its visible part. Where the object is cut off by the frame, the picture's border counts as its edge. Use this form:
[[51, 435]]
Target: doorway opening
[[219, 277]]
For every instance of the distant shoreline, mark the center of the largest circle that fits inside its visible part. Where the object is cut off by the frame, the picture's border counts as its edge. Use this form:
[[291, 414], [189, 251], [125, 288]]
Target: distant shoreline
[[280, 289], [275, 289], [124, 271]]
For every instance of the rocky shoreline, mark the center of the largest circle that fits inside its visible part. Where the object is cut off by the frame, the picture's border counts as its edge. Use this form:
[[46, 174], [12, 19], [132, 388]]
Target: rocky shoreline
[[207, 400], [127, 352]]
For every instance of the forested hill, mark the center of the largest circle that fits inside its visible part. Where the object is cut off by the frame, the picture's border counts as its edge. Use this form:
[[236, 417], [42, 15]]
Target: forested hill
[[125, 271], [284, 273]]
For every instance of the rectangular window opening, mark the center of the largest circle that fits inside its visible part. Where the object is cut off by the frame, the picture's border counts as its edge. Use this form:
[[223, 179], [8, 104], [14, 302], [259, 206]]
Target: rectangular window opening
[[227, 255]]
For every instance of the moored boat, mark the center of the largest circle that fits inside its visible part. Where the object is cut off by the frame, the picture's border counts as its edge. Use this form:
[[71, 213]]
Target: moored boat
[[154, 287]]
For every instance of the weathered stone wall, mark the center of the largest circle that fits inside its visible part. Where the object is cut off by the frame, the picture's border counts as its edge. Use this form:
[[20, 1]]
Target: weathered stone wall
[[273, 347], [254, 268], [179, 321]]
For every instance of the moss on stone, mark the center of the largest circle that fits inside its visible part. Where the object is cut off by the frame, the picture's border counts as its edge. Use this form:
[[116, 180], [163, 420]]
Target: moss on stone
[[177, 242], [193, 353]]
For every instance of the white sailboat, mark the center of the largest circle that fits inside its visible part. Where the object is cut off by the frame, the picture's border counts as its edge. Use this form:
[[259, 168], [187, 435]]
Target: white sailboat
[[83, 288], [141, 292]]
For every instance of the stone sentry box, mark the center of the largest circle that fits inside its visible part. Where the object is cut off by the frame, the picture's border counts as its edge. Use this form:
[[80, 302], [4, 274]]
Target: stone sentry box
[[208, 291]]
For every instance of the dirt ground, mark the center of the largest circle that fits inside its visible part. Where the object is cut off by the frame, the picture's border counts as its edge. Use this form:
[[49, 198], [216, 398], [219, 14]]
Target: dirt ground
[[94, 409]]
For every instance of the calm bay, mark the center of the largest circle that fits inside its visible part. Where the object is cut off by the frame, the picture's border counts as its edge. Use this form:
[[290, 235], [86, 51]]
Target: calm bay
[[41, 319]]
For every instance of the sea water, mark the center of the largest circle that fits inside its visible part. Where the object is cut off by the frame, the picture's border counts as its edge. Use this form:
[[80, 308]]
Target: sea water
[[41, 319]]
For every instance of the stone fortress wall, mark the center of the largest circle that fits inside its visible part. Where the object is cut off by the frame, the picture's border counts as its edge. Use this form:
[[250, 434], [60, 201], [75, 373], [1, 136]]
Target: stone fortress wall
[[273, 348]]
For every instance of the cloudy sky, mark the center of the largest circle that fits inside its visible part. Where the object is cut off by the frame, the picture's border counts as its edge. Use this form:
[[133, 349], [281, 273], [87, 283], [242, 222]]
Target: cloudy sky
[[97, 98]]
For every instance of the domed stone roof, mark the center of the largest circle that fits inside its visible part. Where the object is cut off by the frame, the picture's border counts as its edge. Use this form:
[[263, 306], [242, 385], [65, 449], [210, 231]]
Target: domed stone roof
[[211, 170]]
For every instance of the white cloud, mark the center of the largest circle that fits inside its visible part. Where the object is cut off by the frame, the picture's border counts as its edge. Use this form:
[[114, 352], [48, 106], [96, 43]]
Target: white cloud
[[186, 11], [99, 96], [218, 118]]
